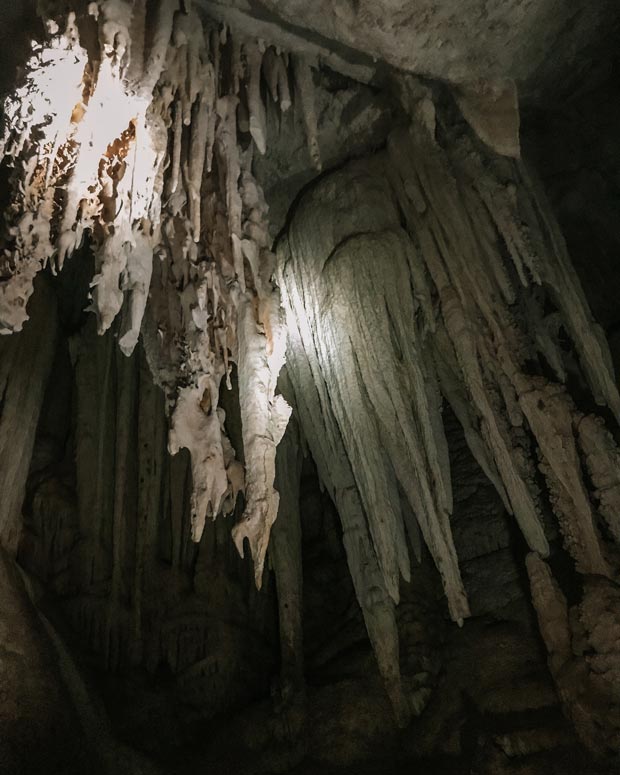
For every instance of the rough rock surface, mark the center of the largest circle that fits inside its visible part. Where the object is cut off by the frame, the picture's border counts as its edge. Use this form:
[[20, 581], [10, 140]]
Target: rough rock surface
[[453, 40]]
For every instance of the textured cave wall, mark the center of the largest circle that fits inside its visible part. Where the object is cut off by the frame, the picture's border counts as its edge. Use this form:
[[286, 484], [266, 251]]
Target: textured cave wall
[[580, 169]]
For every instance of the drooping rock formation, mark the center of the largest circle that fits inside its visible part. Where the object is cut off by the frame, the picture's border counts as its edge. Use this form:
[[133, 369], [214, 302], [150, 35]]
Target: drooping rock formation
[[448, 426], [88, 135], [436, 270]]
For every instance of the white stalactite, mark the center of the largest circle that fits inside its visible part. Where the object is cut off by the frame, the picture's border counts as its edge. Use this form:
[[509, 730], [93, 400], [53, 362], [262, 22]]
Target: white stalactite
[[264, 418], [104, 138], [195, 425], [314, 409], [428, 271]]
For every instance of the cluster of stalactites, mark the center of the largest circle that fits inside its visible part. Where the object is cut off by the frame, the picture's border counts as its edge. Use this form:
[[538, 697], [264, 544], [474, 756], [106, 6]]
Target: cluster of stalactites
[[434, 274], [139, 147], [505, 289]]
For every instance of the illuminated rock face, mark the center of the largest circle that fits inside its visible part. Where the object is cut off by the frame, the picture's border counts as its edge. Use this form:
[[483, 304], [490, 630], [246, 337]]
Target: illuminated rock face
[[119, 146], [431, 275], [394, 358]]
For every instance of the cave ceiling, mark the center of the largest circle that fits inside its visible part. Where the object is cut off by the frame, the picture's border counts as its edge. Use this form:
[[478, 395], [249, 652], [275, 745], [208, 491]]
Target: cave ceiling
[[459, 41]]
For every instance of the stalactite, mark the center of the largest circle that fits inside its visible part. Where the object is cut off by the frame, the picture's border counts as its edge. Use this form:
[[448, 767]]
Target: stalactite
[[258, 121], [432, 272], [550, 415], [371, 364], [39, 104], [136, 284], [328, 450], [138, 197], [463, 277], [264, 417], [445, 271], [465, 290], [276, 75], [195, 425]]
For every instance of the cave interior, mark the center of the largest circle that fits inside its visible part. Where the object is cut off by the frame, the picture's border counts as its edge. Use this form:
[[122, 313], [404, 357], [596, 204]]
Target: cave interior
[[309, 408]]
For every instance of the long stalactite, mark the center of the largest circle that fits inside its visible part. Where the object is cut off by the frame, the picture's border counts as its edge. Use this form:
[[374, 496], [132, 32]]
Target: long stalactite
[[434, 273]]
